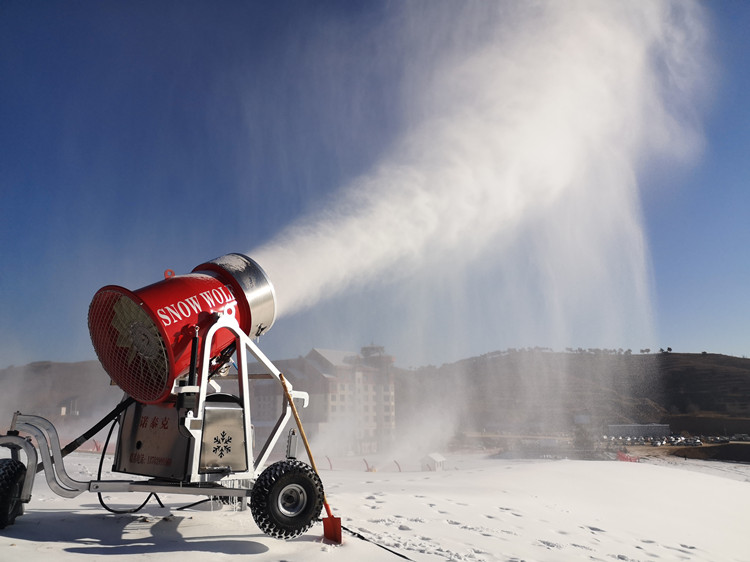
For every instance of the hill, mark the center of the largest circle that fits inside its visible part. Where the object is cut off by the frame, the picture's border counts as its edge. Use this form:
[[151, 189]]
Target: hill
[[542, 391], [705, 393]]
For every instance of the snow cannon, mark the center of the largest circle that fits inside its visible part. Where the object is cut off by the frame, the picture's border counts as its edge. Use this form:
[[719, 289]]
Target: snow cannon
[[144, 338], [185, 420]]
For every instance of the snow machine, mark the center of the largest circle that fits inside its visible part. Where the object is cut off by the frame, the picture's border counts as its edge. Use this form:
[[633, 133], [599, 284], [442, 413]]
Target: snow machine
[[166, 346]]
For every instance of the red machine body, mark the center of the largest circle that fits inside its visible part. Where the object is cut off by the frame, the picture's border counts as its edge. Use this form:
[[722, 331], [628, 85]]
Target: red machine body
[[143, 337]]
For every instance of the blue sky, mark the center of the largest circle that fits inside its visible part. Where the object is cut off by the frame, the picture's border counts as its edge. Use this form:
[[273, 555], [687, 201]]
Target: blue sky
[[697, 223], [141, 136]]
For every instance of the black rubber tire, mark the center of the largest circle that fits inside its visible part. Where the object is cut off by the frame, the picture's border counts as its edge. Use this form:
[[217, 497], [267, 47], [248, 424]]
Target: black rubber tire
[[286, 499], [12, 473]]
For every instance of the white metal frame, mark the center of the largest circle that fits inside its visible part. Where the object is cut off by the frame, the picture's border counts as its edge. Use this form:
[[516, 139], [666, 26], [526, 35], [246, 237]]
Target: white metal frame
[[194, 423]]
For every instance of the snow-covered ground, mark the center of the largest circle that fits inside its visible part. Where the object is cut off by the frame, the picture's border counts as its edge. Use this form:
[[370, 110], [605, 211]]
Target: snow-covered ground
[[476, 509]]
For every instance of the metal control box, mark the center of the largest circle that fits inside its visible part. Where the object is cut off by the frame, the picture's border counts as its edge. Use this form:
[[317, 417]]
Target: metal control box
[[150, 442]]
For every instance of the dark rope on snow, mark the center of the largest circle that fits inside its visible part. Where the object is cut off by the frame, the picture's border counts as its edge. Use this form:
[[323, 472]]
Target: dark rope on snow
[[364, 538]]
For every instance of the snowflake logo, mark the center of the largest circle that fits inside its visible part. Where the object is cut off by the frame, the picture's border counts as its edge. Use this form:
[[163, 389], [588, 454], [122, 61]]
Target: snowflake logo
[[222, 444]]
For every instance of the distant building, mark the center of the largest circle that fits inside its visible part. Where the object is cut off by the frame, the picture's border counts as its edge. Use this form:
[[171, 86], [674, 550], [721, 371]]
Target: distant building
[[352, 399], [433, 462]]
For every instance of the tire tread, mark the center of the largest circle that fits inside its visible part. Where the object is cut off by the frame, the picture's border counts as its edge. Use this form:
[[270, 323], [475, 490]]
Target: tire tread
[[263, 487], [11, 477]]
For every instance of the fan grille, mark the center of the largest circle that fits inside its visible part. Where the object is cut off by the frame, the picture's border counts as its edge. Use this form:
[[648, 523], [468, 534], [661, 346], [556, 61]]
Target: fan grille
[[129, 345]]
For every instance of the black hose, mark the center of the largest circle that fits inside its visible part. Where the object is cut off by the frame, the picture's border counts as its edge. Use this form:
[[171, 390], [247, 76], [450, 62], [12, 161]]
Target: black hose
[[73, 445], [191, 505], [364, 538], [99, 477]]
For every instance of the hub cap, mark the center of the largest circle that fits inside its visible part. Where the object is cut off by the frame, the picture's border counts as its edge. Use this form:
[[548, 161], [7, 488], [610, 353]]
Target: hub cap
[[292, 500]]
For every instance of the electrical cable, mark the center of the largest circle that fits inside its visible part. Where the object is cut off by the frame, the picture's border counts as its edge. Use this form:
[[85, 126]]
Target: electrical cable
[[99, 477], [152, 494], [188, 506], [364, 538]]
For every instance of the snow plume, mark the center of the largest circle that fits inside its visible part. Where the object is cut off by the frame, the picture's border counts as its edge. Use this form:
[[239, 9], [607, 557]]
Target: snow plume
[[511, 195]]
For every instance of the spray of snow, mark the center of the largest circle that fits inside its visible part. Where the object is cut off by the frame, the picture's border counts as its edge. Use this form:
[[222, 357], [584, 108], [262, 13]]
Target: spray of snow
[[527, 131], [511, 198]]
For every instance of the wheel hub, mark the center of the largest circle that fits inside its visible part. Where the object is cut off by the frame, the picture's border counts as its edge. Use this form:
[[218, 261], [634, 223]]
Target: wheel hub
[[292, 500]]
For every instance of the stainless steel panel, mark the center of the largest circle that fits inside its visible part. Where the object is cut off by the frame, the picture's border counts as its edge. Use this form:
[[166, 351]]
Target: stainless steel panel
[[223, 448]]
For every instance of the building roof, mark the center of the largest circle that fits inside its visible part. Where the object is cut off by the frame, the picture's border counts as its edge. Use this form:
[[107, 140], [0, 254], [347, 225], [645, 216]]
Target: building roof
[[437, 457], [327, 359], [330, 363]]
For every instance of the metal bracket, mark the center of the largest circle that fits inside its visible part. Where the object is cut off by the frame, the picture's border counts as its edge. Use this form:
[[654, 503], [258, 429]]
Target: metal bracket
[[291, 444]]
